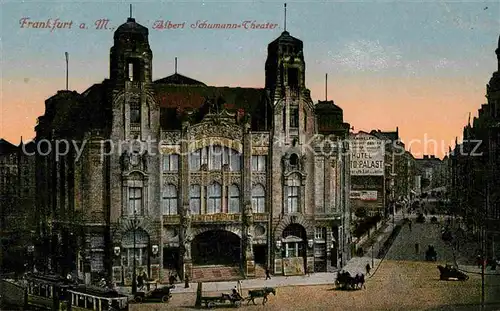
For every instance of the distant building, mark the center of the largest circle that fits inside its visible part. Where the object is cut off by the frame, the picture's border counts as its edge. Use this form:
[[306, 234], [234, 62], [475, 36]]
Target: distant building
[[17, 197], [433, 171], [367, 174], [243, 177], [399, 171]]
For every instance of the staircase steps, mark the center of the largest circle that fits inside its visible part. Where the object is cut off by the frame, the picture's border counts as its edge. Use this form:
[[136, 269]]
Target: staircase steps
[[260, 271], [216, 273]]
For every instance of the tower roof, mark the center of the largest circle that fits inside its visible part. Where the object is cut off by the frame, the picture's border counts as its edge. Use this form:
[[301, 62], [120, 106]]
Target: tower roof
[[286, 38], [179, 80], [131, 26]]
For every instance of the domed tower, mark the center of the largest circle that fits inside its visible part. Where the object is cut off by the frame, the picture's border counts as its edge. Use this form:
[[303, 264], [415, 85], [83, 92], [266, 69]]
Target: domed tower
[[285, 81], [131, 57], [285, 66]]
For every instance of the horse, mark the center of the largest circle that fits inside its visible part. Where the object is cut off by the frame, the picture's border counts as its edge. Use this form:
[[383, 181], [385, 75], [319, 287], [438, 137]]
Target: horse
[[359, 281], [345, 280], [258, 293]]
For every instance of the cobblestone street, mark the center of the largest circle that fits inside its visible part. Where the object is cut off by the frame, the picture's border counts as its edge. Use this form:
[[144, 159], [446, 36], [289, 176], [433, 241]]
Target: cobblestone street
[[401, 282], [396, 286]]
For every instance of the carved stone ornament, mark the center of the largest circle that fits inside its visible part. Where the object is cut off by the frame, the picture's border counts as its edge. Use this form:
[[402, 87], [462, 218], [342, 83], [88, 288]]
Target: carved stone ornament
[[125, 161], [203, 130], [216, 176], [135, 159], [260, 139], [195, 179], [235, 179], [170, 178], [171, 137], [259, 178]]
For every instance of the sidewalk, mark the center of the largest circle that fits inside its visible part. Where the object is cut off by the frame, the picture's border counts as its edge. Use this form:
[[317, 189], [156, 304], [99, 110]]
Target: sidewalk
[[466, 256], [354, 266]]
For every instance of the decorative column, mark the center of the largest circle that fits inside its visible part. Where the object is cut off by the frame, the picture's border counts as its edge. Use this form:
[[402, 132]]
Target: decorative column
[[247, 215], [248, 241], [185, 233]]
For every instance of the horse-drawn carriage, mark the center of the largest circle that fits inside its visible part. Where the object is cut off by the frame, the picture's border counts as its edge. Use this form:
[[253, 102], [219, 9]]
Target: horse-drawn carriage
[[347, 282], [211, 301], [450, 273], [235, 299], [431, 254]]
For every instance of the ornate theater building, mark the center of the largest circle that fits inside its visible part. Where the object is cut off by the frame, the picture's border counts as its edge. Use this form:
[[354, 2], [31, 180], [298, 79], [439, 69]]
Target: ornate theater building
[[179, 177]]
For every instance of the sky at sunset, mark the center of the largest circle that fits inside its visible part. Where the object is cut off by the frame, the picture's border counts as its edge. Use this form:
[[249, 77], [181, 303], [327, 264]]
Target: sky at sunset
[[419, 66]]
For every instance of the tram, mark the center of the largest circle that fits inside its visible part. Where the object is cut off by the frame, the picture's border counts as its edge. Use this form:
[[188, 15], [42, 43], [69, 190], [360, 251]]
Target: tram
[[51, 292], [81, 298], [46, 292]]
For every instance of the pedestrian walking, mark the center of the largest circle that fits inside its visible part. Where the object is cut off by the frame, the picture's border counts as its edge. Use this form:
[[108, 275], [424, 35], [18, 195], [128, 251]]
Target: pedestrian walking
[[409, 225], [368, 269], [268, 274], [238, 286], [417, 248]]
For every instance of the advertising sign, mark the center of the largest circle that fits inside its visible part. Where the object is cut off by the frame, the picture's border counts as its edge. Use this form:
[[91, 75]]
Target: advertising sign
[[367, 155], [293, 266], [364, 195]]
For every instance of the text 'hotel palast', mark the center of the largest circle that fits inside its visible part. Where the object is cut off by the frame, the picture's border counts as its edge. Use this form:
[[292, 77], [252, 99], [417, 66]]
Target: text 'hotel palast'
[[244, 178]]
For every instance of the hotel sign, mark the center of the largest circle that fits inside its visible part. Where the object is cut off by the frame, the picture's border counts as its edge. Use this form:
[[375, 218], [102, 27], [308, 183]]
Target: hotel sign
[[364, 195], [367, 155]]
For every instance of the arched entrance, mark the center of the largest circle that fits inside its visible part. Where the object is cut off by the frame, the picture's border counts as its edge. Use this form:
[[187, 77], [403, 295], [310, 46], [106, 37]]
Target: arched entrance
[[216, 247], [294, 252], [135, 247]]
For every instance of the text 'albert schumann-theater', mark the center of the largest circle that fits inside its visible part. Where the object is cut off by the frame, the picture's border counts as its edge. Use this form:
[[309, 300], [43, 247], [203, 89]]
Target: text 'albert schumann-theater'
[[177, 177]]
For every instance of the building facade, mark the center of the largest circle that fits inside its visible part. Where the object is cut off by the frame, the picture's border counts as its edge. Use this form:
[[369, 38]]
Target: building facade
[[367, 175], [474, 168], [174, 176], [17, 198]]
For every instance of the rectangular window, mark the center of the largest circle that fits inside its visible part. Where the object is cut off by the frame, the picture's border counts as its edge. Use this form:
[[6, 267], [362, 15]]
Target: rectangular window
[[293, 199], [258, 199], [258, 204], [135, 200], [320, 233], [216, 158], [195, 160], [131, 71], [259, 163], [294, 117], [195, 199], [204, 156], [171, 162], [135, 114], [293, 78], [170, 200], [233, 195], [214, 196], [235, 158]]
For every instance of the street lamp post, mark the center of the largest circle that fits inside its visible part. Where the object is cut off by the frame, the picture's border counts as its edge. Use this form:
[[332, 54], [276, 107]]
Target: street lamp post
[[134, 276], [373, 250]]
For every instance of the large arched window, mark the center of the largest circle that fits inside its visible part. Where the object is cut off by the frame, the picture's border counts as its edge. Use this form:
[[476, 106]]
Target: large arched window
[[169, 201], [215, 157], [214, 195], [258, 199], [234, 199], [195, 199]]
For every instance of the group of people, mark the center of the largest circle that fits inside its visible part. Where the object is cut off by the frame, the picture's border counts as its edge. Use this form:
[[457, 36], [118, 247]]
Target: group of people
[[492, 263]]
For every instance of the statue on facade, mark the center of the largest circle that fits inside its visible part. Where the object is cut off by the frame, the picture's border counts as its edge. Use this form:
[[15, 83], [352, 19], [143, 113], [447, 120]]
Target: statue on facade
[[303, 161], [125, 161], [145, 160]]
